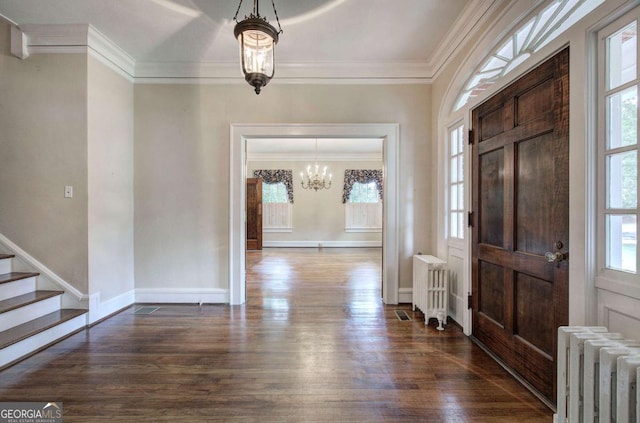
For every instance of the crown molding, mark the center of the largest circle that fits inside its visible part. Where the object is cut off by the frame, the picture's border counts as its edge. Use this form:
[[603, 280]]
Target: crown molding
[[80, 38], [83, 38], [111, 52], [467, 26], [74, 39], [397, 72]]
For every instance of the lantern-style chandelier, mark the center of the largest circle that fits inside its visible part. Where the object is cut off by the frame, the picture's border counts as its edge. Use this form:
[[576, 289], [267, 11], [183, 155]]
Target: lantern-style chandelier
[[314, 180], [258, 39]]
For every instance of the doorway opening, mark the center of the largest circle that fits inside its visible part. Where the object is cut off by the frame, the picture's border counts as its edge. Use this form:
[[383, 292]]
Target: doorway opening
[[334, 226], [240, 134]]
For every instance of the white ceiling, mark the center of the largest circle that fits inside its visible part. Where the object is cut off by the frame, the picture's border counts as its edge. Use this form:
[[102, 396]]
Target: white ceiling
[[304, 149], [365, 33]]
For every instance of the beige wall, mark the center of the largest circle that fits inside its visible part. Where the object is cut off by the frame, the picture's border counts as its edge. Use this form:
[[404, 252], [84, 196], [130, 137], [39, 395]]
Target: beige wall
[[317, 216], [110, 181], [43, 134], [182, 167]]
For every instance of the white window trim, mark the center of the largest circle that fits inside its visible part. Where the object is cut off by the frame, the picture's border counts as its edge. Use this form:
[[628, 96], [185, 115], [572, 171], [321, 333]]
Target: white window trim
[[620, 282]]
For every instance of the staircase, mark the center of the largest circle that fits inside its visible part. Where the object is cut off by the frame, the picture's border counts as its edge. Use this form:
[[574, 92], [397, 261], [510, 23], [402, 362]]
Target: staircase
[[31, 319]]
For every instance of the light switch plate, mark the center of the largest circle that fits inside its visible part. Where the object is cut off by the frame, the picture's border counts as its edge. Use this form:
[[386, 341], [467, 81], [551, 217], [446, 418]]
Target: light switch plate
[[68, 191]]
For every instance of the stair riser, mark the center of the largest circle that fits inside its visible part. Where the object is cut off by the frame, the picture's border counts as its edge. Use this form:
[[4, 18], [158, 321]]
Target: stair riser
[[5, 266], [29, 312], [15, 288], [25, 347]]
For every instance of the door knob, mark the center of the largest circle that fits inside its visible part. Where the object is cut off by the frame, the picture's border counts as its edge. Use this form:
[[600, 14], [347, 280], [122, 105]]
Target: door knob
[[556, 257]]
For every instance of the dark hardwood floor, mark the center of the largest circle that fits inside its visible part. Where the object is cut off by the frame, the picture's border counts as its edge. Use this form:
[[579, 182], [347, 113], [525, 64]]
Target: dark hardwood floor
[[314, 343]]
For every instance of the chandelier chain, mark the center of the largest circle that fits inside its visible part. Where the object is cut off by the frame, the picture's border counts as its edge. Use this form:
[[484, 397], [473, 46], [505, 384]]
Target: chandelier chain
[[235, 17], [280, 31]]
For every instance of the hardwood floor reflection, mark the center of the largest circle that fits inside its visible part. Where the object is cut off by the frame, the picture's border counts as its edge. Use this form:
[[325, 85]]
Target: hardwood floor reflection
[[314, 343]]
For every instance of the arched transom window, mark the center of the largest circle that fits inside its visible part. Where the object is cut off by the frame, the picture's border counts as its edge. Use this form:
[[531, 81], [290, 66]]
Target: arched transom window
[[528, 38]]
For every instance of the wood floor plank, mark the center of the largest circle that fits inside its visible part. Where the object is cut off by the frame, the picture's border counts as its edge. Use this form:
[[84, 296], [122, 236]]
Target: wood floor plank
[[314, 343]]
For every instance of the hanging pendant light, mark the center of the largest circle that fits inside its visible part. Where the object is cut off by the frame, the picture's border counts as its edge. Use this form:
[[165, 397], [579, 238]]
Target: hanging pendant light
[[314, 180], [257, 38]]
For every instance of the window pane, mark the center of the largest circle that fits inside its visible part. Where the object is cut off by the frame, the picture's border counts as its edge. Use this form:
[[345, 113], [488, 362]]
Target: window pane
[[622, 125], [454, 197], [364, 193], [454, 142], [454, 225], [621, 56], [460, 197], [454, 170], [460, 225], [621, 242], [622, 180], [460, 169], [274, 193]]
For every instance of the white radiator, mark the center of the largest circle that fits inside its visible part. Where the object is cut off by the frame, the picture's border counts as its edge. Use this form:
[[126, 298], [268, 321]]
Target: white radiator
[[597, 376], [430, 288]]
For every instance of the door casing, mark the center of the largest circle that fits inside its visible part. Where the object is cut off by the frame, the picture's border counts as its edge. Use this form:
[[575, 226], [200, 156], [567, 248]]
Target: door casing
[[239, 133]]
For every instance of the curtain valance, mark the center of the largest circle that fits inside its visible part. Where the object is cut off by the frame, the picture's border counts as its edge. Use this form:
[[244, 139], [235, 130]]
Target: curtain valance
[[363, 176], [274, 176]]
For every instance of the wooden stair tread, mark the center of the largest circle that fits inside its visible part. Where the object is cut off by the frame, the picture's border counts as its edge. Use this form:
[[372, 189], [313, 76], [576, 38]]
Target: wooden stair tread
[[6, 256], [33, 327], [26, 299], [14, 276]]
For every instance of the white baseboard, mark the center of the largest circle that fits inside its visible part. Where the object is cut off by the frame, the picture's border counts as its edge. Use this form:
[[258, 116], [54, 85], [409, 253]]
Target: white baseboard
[[322, 244], [405, 295], [99, 310], [177, 295]]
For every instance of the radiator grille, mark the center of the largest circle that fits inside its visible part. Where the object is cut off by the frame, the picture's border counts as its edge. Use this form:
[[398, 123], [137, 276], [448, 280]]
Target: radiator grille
[[430, 288]]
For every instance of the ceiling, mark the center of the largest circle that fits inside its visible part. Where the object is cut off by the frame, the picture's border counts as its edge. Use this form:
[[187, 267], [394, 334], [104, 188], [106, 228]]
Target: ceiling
[[361, 34]]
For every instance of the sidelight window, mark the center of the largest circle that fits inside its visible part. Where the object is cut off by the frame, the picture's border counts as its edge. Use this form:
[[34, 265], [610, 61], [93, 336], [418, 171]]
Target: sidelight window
[[456, 183], [619, 147]]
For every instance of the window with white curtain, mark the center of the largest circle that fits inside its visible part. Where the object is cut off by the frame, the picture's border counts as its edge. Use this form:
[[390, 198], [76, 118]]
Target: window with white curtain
[[276, 208], [456, 182], [618, 148], [277, 199], [363, 210]]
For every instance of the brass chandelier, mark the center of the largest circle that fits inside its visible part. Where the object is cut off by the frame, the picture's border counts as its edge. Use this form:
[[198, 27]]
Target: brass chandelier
[[257, 38], [314, 180]]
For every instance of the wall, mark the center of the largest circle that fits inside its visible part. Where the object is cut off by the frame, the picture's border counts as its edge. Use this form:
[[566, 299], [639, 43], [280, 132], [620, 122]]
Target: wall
[[318, 216], [110, 184], [182, 167], [43, 102]]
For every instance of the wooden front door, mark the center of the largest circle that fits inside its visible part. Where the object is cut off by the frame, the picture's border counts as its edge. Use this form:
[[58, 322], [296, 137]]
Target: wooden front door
[[521, 212], [254, 214]]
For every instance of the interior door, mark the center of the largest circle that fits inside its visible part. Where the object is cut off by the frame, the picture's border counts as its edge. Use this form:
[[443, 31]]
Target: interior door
[[254, 214], [521, 216]]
